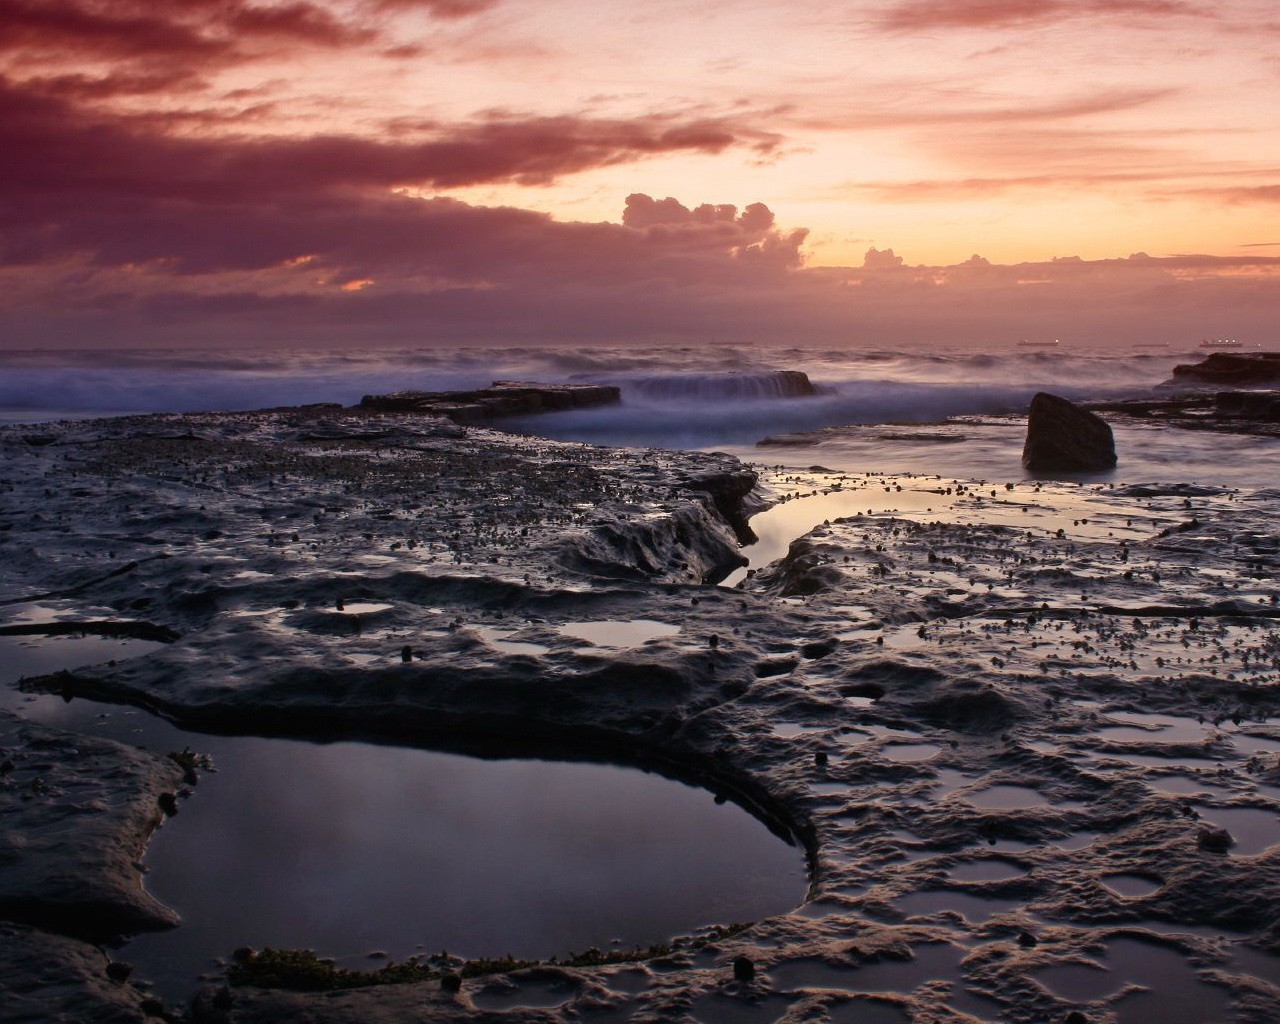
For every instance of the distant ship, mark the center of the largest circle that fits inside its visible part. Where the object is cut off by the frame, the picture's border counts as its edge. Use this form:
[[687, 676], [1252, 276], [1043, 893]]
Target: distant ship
[[1220, 343], [1039, 344]]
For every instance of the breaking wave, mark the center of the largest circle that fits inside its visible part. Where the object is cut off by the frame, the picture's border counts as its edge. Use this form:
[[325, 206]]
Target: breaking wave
[[676, 396]]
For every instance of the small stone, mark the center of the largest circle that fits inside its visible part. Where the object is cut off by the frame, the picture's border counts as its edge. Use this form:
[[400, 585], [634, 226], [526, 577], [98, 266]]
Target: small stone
[[168, 804], [1215, 840], [451, 982], [406, 653], [1076, 1017], [743, 968], [1027, 940], [821, 758], [118, 970]]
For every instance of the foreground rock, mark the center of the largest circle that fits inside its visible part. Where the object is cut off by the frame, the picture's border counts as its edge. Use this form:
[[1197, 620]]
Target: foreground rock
[[51, 979], [970, 724], [77, 814], [504, 400], [1235, 368], [1064, 438]]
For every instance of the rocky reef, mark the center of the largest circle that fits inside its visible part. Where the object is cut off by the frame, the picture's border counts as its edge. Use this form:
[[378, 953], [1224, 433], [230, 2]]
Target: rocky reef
[[1026, 738], [505, 399], [740, 386], [1238, 369]]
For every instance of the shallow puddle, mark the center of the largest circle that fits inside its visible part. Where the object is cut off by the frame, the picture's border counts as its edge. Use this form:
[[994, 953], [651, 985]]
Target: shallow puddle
[[790, 730], [971, 907], [1131, 886], [361, 607], [725, 1009], [36, 655], [617, 633], [949, 780], [932, 961], [1247, 960], [1010, 798], [1159, 760], [991, 869], [349, 847], [497, 639], [1255, 744], [1254, 829], [909, 752], [1182, 785], [1174, 992], [866, 1011], [1139, 727], [982, 1007]]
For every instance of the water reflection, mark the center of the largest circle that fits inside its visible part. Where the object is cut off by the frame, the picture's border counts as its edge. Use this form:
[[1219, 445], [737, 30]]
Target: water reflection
[[351, 847]]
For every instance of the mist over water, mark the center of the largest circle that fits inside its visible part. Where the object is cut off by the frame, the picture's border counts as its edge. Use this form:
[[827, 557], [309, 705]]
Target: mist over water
[[870, 404], [674, 396]]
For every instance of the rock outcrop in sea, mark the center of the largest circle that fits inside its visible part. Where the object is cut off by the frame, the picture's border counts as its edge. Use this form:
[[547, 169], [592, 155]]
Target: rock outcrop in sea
[[688, 387], [1240, 369], [1064, 438], [505, 399]]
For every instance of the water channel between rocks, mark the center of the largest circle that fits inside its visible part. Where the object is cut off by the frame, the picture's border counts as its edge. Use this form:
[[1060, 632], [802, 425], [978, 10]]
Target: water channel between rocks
[[350, 848]]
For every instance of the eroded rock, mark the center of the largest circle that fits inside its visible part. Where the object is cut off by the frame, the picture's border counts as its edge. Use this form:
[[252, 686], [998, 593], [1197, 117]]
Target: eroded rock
[[77, 814]]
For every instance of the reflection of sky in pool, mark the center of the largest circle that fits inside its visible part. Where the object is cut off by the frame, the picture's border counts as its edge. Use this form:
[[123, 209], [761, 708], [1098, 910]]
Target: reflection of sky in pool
[[349, 848]]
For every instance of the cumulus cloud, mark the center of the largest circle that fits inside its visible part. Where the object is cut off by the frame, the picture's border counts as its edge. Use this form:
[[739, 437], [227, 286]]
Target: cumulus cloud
[[882, 259], [750, 234]]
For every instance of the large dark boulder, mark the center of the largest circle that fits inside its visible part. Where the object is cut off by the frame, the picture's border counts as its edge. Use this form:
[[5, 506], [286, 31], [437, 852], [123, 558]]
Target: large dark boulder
[[1063, 438]]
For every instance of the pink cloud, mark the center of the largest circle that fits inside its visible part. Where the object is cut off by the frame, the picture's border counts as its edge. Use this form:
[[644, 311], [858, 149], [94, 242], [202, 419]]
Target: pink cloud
[[50, 147], [924, 15]]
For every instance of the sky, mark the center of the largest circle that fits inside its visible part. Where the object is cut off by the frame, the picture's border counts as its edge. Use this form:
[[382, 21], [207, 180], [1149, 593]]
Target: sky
[[237, 173]]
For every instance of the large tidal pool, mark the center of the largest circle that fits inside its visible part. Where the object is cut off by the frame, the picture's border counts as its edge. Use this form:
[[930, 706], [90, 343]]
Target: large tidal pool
[[353, 848]]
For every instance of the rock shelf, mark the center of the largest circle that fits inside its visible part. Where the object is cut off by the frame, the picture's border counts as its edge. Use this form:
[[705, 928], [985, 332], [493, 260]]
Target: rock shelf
[[504, 399], [997, 631]]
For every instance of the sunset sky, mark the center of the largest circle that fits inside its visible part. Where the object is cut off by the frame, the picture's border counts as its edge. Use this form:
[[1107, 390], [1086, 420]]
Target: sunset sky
[[321, 172]]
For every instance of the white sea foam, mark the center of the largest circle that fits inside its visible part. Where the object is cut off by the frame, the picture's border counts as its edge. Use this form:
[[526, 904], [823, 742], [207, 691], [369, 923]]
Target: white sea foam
[[693, 396]]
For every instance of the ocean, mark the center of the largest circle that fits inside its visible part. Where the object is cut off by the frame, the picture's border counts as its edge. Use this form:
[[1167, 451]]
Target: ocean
[[873, 412]]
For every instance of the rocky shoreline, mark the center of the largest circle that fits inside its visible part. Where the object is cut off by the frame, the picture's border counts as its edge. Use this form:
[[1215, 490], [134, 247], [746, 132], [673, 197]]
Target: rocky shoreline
[[873, 693]]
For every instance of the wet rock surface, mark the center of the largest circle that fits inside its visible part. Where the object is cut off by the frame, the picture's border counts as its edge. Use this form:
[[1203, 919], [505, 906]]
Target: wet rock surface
[[967, 701], [77, 813], [1254, 412], [504, 399], [1241, 369], [1064, 438], [52, 978]]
